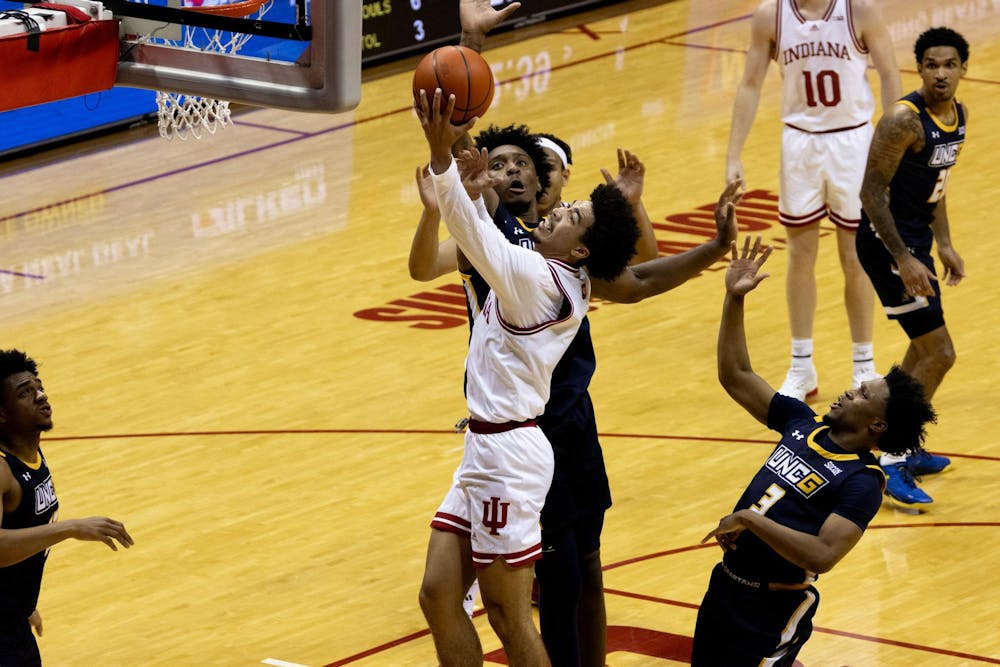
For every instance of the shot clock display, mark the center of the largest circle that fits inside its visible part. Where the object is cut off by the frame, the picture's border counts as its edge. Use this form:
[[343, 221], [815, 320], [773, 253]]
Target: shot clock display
[[395, 28]]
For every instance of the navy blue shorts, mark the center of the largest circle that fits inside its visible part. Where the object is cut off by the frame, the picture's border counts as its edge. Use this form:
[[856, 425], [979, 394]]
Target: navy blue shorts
[[580, 488], [740, 625], [917, 316], [18, 647]]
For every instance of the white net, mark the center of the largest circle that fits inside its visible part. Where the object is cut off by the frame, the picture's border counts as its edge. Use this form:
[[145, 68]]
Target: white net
[[183, 116]]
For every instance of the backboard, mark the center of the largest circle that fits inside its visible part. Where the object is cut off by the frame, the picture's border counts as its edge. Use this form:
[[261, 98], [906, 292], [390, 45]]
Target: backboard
[[325, 76]]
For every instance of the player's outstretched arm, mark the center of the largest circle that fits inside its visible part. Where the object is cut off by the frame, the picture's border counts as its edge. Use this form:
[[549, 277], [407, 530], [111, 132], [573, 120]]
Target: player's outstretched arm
[[630, 181], [874, 33], [430, 258], [735, 372], [762, 38], [478, 18], [641, 281], [814, 553], [17, 544], [954, 265], [897, 130]]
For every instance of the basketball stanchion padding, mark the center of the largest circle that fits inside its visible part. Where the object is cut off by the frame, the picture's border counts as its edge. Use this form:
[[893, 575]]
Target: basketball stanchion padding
[[48, 65]]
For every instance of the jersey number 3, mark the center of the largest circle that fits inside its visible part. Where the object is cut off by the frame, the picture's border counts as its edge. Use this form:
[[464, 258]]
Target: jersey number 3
[[773, 494], [824, 89]]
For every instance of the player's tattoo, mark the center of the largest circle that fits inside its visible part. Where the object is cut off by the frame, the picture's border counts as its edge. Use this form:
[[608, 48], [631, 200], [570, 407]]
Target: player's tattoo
[[897, 132]]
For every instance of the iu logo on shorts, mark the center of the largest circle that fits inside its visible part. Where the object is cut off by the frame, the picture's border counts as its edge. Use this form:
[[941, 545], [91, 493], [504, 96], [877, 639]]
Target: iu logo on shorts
[[494, 514]]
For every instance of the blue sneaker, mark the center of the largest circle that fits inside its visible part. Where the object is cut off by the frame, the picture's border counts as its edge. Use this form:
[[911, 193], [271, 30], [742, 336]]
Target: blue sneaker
[[901, 487], [924, 463]]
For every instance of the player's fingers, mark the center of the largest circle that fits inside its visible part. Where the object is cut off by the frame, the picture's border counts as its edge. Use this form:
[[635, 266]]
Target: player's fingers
[[607, 176], [764, 255], [502, 14]]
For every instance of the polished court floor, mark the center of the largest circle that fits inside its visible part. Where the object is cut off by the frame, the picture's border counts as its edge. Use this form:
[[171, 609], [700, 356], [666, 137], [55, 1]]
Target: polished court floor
[[243, 372]]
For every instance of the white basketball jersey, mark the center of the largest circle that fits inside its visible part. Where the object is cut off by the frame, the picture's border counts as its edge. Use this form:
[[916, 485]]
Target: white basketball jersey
[[530, 317], [823, 67], [510, 367]]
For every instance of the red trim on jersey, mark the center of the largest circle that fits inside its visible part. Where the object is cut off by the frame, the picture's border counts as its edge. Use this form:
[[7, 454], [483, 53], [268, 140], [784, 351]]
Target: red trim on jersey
[[801, 220], [517, 559], [451, 524], [850, 224], [777, 31], [488, 428], [858, 44], [836, 129], [829, 10], [525, 331]]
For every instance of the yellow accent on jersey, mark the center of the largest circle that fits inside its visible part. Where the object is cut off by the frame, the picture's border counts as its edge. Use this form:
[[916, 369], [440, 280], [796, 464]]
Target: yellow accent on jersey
[[818, 448]]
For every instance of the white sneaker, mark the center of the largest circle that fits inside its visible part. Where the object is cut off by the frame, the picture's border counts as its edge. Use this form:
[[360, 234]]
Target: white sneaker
[[469, 602], [800, 383], [863, 374]]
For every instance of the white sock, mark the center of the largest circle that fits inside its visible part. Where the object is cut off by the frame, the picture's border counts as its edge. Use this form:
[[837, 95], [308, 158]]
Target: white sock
[[863, 355], [802, 353], [469, 603], [889, 459]]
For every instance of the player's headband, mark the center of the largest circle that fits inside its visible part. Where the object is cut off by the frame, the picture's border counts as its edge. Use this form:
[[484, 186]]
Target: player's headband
[[545, 142]]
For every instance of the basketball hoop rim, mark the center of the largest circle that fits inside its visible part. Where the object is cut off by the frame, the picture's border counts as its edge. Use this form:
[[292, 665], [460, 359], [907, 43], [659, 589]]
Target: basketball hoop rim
[[234, 10]]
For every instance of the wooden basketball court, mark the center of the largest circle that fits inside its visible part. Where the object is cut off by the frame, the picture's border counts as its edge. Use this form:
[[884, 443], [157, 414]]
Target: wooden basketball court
[[243, 372]]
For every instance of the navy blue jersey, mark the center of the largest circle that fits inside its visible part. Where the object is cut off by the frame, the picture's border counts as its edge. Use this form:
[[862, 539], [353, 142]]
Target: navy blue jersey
[[921, 179], [805, 480], [20, 583]]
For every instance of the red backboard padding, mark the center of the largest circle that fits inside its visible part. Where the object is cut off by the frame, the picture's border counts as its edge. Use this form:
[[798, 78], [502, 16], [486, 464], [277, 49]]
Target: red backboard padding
[[70, 61]]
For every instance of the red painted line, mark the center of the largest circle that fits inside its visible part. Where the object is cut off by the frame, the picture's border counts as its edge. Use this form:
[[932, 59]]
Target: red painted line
[[588, 32], [917, 647], [659, 554], [426, 431], [378, 649], [22, 275], [651, 598], [829, 631], [943, 524]]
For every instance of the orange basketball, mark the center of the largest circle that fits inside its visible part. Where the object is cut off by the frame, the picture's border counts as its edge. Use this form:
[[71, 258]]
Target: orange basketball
[[457, 71]]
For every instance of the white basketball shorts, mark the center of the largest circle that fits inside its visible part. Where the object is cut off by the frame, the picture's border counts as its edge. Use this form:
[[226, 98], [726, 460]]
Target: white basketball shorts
[[821, 175], [497, 495]]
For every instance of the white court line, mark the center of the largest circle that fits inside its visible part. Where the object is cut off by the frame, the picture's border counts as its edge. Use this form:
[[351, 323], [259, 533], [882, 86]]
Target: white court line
[[281, 663]]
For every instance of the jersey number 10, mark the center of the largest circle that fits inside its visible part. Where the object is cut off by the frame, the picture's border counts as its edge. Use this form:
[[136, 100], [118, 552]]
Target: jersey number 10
[[825, 89]]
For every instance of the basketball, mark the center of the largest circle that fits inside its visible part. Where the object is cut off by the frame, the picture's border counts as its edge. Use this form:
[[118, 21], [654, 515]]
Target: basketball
[[457, 71]]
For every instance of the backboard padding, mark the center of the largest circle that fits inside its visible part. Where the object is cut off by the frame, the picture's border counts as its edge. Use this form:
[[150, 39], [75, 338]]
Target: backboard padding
[[329, 82]]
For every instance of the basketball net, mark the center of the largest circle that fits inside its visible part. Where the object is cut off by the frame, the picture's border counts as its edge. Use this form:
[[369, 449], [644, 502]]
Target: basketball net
[[183, 116]]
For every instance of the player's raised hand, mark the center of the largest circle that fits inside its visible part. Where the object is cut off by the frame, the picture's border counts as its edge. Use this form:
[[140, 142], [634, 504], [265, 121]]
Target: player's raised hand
[[743, 273], [478, 16], [440, 132], [631, 176], [101, 529], [725, 211], [473, 168], [425, 187]]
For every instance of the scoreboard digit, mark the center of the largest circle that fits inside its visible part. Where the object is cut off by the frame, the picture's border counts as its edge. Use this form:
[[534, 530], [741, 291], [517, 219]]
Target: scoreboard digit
[[396, 28]]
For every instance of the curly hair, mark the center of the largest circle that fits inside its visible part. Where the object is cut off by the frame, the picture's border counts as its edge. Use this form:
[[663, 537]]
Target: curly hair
[[941, 37], [517, 135], [13, 362], [611, 239], [906, 413]]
